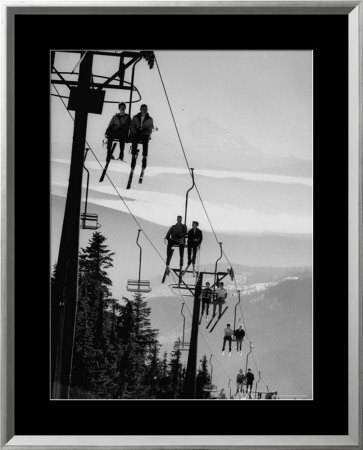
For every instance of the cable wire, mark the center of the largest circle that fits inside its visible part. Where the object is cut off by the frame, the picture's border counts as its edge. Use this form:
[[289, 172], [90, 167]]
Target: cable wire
[[196, 186]]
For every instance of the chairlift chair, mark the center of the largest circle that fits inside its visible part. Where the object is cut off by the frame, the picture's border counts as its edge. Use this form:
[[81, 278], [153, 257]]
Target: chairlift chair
[[89, 221], [182, 345], [142, 286], [211, 388], [138, 286]]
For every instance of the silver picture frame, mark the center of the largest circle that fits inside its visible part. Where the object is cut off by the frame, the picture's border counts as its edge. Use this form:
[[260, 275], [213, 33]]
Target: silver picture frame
[[353, 440]]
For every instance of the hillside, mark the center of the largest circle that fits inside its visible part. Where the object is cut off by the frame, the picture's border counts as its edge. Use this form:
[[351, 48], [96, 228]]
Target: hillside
[[278, 321]]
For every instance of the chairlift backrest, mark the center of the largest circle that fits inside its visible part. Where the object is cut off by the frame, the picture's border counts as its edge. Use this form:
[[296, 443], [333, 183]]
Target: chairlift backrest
[[182, 346], [138, 286], [89, 221]]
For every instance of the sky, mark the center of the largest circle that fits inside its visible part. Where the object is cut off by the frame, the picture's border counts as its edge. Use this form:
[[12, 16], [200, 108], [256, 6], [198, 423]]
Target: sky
[[245, 122], [264, 96]]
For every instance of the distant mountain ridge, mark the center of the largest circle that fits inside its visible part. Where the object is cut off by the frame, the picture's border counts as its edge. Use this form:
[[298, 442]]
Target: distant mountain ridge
[[202, 135], [278, 321]]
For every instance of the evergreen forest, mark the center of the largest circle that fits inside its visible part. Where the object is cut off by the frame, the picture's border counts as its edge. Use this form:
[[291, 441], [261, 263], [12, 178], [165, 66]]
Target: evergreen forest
[[116, 352]]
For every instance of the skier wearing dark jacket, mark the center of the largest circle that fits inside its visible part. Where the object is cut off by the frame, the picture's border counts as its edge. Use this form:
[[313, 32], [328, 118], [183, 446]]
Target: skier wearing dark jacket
[[141, 129], [249, 378], [118, 128], [239, 334], [195, 238], [175, 236]]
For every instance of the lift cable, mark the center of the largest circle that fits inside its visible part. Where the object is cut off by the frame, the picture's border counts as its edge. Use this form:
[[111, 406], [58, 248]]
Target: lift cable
[[186, 159], [199, 195]]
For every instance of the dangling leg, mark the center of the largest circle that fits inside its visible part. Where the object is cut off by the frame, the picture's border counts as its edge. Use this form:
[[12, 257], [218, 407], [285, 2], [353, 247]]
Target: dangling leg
[[144, 163], [122, 149], [224, 344], [194, 255], [169, 253], [145, 143], [203, 308], [214, 307], [181, 253], [133, 160], [220, 308], [189, 255], [110, 149]]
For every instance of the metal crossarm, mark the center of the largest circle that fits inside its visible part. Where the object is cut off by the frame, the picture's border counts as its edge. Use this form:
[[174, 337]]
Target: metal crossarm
[[183, 288]]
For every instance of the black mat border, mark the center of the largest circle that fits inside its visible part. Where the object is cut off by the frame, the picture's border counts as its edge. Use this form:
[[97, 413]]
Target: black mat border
[[327, 36]]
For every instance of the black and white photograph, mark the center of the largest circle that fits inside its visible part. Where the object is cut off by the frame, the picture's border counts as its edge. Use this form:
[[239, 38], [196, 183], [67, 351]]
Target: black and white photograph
[[181, 224]]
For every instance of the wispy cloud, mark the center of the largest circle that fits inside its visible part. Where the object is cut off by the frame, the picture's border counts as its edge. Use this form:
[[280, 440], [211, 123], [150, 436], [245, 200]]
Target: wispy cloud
[[154, 171], [162, 209]]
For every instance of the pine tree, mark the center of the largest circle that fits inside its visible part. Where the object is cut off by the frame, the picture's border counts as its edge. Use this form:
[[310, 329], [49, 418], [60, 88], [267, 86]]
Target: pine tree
[[139, 349], [176, 372], [92, 368], [203, 379]]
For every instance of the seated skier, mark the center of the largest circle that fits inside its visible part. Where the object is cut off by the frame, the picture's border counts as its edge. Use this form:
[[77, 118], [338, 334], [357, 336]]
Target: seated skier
[[219, 299], [118, 128], [175, 236], [141, 129], [239, 334], [195, 237], [206, 297], [228, 332]]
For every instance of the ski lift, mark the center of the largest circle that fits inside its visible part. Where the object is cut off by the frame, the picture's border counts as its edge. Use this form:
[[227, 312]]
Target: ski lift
[[211, 368], [187, 195], [182, 345], [216, 282], [138, 285], [235, 312], [251, 347], [177, 243], [181, 241], [259, 379], [89, 221]]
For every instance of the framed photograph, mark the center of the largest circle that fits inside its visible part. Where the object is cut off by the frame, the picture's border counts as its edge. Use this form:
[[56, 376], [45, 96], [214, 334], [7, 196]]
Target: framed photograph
[[181, 225]]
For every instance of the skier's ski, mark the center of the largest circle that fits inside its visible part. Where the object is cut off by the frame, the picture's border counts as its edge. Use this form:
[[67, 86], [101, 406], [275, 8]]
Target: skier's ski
[[166, 273], [141, 176], [108, 159], [219, 318]]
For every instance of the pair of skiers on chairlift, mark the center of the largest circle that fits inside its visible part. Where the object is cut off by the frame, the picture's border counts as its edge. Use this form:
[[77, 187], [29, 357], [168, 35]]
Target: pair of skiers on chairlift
[[138, 130], [176, 236]]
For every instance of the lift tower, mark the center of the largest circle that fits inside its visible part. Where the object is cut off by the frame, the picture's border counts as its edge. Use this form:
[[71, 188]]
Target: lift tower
[[189, 391], [86, 96]]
